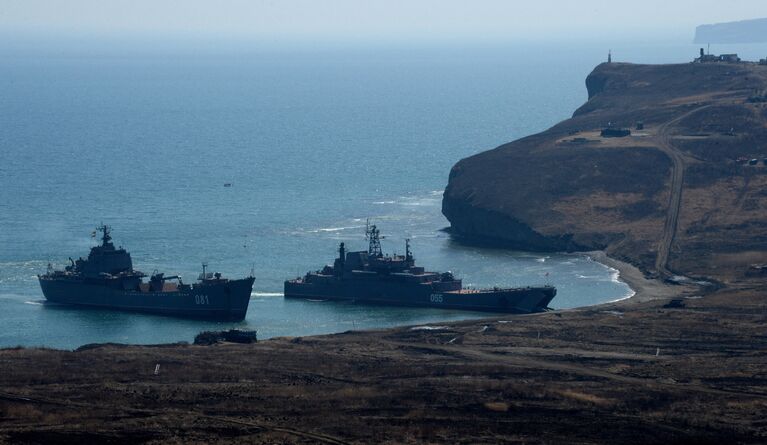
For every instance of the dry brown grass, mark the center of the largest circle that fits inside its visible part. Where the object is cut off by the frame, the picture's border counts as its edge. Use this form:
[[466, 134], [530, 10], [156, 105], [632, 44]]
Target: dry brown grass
[[584, 397], [499, 407], [16, 411]]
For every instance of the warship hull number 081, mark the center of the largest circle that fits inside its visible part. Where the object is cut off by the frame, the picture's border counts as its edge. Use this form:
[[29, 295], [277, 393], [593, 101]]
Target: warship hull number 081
[[371, 277], [107, 280]]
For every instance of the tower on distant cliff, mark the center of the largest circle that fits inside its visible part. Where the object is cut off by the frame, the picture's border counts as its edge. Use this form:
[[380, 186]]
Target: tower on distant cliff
[[610, 56]]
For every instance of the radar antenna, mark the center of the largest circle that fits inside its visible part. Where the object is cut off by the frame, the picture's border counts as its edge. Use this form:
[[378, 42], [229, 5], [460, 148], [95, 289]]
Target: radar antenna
[[373, 235], [105, 230]]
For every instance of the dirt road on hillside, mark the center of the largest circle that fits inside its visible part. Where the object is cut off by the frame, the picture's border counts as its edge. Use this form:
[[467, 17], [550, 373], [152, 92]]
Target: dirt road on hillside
[[663, 139]]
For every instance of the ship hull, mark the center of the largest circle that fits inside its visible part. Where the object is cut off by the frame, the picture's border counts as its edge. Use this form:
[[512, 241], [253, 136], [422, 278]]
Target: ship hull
[[215, 301], [516, 300]]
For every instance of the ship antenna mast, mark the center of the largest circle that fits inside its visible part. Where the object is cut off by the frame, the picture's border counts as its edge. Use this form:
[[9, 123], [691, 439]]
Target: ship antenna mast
[[408, 253], [105, 238], [372, 234]]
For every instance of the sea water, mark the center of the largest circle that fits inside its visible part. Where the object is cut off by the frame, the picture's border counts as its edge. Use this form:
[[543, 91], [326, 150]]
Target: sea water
[[312, 143]]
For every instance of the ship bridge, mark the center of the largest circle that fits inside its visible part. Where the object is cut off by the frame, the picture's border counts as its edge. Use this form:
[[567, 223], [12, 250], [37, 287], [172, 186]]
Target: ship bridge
[[104, 258]]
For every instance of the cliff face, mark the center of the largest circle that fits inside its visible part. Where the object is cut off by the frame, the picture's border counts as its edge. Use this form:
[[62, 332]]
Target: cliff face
[[570, 189]]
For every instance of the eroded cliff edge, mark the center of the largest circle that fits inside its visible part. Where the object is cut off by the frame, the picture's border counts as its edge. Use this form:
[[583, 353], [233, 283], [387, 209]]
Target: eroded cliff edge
[[569, 189]]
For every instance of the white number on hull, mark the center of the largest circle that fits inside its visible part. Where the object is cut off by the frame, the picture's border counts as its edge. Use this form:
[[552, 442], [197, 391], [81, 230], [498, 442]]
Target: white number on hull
[[201, 299], [435, 298]]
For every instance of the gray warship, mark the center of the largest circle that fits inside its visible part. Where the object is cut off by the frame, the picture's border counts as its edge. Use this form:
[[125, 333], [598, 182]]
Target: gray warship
[[107, 280], [372, 277]]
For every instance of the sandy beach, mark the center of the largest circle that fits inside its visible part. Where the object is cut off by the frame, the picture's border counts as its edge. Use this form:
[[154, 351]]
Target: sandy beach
[[645, 289]]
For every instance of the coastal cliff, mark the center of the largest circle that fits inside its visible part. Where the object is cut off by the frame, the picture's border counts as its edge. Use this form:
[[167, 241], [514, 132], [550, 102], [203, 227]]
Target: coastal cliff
[[744, 31], [675, 196]]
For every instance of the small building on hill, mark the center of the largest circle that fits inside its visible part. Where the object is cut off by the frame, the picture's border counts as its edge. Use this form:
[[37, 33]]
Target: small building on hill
[[615, 132], [709, 58]]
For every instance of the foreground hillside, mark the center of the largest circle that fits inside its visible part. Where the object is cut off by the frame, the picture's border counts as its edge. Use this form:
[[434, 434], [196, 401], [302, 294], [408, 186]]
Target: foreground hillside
[[675, 197], [630, 373]]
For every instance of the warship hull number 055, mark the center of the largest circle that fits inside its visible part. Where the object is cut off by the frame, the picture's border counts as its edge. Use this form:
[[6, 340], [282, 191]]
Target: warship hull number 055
[[107, 280], [371, 277]]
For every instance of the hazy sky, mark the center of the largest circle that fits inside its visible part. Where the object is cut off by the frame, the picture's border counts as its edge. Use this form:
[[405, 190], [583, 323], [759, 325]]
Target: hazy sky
[[376, 20]]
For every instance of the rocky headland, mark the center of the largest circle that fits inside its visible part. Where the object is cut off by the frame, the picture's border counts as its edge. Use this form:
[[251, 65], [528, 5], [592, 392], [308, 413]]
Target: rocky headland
[[677, 196]]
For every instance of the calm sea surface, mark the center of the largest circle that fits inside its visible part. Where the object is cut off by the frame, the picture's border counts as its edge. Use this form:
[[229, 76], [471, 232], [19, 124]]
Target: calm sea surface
[[313, 143]]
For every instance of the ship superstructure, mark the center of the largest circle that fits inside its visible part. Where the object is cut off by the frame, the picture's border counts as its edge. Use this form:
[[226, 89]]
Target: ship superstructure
[[372, 277], [107, 280]]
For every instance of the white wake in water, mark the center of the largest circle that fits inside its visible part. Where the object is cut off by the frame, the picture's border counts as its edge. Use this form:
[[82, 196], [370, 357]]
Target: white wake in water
[[267, 294], [334, 229]]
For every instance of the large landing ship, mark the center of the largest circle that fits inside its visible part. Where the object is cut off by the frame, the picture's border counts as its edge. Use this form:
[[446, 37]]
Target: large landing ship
[[372, 277], [107, 280]]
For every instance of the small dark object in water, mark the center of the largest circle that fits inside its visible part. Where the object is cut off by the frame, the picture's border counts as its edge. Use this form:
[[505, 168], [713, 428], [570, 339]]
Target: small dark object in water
[[228, 184], [207, 338], [753, 162], [676, 303]]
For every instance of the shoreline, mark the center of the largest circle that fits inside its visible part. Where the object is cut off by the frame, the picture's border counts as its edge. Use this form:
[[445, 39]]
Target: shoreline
[[617, 270], [645, 289]]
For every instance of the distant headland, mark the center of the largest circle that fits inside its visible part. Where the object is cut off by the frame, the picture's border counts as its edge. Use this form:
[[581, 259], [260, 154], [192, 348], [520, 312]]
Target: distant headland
[[745, 31]]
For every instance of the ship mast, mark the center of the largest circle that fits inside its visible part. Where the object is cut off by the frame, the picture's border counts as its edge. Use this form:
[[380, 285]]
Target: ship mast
[[408, 253], [372, 234], [105, 237]]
